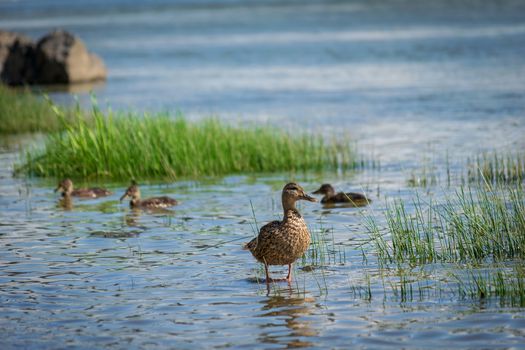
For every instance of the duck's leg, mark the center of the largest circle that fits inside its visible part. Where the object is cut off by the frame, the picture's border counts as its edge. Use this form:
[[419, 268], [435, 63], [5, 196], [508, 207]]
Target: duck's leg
[[268, 279], [289, 276]]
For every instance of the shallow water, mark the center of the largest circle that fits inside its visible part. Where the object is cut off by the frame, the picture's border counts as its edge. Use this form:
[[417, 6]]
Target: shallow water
[[410, 82]]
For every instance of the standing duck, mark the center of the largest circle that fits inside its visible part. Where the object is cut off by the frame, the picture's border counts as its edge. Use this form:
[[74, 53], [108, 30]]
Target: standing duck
[[283, 242], [66, 188], [133, 192], [330, 197]]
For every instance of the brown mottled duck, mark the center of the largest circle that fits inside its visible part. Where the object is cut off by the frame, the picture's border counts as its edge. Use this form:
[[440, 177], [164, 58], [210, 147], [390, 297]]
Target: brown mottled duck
[[283, 242], [133, 192], [66, 188], [330, 197]]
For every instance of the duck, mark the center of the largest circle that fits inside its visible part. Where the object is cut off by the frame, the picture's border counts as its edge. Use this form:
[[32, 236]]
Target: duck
[[66, 188], [283, 242], [330, 197], [133, 192]]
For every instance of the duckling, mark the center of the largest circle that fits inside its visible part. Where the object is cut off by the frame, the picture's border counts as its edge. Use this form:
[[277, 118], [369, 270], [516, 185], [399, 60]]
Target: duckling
[[66, 188], [283, 242], [330, 197], [133, 192]]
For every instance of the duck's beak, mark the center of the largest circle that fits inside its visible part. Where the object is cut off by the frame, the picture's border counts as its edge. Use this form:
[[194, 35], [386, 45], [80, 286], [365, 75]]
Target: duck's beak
[[123, 196], [308, 198], [318, 191]]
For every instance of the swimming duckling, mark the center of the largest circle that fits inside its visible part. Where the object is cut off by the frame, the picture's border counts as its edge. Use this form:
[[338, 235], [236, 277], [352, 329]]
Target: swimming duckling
[[283, 242], [133, 192], [66, 188], [330, 197]]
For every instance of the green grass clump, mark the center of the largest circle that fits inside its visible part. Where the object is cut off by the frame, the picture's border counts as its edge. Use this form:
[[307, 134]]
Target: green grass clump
[[21, 111], [482, 225], [120, 147]]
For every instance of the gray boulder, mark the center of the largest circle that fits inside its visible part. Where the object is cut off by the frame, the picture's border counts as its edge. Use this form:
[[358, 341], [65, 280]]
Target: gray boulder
[[17, 54], [62, 58], [57, 58], [6, 41]]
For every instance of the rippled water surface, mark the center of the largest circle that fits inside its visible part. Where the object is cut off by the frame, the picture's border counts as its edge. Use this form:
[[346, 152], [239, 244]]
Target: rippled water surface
[[416, 84], [101, 275]]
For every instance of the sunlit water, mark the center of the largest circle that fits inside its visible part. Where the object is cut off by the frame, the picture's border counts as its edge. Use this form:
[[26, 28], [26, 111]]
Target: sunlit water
[[410, 82]]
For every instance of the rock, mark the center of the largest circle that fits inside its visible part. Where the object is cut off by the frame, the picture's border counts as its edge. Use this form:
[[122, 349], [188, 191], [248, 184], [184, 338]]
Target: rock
[[7, 39], [57, 58], [62, 58], [17, 53]]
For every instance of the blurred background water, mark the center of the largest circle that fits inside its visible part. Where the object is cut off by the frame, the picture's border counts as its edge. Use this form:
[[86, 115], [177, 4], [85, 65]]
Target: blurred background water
[[408, 80]]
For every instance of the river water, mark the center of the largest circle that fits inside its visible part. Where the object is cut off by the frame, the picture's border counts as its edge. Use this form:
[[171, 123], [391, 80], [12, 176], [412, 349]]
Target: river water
[[412, 82]]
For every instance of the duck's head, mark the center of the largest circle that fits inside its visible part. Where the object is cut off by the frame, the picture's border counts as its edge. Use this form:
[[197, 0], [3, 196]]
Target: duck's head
[[292, 193], [132, 192], [65, 187], [325, 189]]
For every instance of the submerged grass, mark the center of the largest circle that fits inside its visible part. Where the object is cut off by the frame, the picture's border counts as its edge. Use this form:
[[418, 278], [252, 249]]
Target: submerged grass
[[505, 285], [21, 111], [497, 168], [323, 250], [486, 224], [121, 147], [500, 283]]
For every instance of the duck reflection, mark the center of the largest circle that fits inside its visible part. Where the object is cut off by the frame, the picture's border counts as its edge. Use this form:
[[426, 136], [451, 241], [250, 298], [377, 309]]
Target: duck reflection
[[132, 218], [65, 203], [291, 310]]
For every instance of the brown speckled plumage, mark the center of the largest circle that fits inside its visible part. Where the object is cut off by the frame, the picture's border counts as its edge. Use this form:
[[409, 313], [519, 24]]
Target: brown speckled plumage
[[133, 192], [283, 242], [66, 188], [330, 197]]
